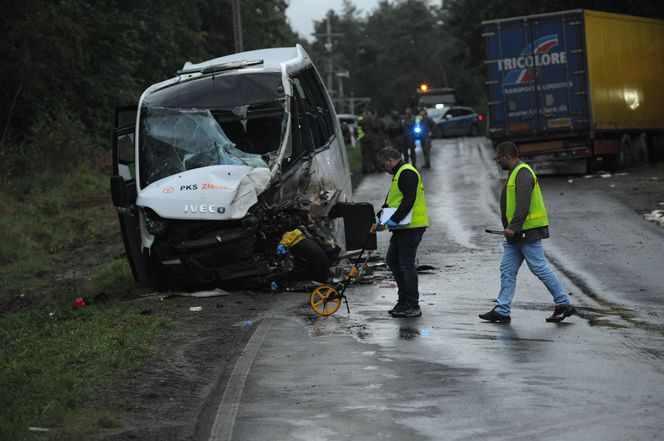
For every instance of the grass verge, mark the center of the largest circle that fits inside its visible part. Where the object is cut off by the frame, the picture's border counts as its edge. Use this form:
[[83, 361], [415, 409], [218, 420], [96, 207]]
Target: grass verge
[[53, 359], [45, 221], [354, 158]]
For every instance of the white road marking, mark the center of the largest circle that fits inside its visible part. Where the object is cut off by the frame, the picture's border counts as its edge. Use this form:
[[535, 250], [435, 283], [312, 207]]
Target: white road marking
[[222, 429]]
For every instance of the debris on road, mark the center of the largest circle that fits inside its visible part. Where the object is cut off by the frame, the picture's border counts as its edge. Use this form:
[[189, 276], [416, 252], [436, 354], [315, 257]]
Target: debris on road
[[657, 216], [421, 268], [217, 292], [38, 429]]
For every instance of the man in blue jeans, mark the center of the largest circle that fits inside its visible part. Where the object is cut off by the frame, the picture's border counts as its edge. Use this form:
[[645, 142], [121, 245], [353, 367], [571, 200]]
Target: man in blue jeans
[[526, 224], [406, 198]]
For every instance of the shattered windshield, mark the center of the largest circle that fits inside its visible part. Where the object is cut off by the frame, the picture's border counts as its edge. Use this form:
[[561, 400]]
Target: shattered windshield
[[176, 140]]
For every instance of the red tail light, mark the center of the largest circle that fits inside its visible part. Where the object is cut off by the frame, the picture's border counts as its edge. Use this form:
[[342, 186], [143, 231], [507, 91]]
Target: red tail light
[[480, 118]]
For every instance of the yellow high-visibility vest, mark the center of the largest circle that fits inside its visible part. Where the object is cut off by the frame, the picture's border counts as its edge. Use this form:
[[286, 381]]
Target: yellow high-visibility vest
[[360, 130], [419, 218], [537, 212]]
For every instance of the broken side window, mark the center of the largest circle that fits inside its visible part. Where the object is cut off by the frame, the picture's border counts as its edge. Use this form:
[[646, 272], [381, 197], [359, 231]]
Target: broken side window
[[318, 109], [303, 139], [176, 140]]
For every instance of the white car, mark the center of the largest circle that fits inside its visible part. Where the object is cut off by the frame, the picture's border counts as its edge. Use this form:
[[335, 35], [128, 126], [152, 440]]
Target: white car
[[348, 123]]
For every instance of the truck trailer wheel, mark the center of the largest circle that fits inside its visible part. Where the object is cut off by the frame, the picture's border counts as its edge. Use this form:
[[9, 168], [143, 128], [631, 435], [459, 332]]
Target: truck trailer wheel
[[624, 159], [474, 131], [657, 147], [640, 153]]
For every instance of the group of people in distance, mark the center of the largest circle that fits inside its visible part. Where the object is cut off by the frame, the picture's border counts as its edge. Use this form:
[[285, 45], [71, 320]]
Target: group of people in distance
[[401, 132]]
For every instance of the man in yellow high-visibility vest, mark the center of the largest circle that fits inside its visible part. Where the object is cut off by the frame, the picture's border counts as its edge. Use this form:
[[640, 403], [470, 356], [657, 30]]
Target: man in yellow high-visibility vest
[[526, 223], [405, 198]]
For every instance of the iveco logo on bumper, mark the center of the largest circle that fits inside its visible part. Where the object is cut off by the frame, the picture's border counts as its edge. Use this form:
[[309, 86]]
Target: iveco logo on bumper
[[204, 209]]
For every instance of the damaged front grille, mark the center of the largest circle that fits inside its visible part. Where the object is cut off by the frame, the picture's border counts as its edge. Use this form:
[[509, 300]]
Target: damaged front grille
[[208, 246], [234, 249]]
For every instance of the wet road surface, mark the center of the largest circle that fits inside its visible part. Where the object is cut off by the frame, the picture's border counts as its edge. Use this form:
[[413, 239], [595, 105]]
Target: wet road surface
[[448, 375]]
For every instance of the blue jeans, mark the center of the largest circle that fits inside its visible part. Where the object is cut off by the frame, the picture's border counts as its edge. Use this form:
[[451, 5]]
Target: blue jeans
[[533, 253], [401, 261]]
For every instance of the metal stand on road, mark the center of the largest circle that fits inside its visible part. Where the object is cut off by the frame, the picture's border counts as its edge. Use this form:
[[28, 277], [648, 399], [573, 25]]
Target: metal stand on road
[[326, 299]]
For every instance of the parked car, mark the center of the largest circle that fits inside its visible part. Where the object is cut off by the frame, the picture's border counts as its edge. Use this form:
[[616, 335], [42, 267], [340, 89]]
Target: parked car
[[348, 124], [458, 121], [436, 114]]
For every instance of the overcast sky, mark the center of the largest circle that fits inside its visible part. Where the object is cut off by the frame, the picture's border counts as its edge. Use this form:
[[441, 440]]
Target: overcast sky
[[302, 13]]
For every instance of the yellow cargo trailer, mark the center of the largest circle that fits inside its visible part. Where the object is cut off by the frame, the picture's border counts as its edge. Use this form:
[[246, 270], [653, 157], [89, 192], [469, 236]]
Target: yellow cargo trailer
[[576, 86], [625, 68]]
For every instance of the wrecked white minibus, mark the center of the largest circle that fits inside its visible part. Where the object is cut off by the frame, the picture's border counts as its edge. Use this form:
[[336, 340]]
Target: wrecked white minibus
[[214, 166]]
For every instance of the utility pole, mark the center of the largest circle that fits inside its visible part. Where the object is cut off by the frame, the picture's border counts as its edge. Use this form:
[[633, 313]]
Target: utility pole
[[328, 47], [341, 75], [338, 99], [355, 102], [352, 103], [237, 25]]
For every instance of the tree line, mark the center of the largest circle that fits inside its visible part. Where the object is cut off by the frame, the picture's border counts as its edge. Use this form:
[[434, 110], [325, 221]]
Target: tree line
[[68, 63], [403, 43]]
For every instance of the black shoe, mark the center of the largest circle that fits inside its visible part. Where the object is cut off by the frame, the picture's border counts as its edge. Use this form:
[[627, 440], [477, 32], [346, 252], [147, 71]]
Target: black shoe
[[408, 311], [399, 306], [493, 316], [427, 165], [561, 312]]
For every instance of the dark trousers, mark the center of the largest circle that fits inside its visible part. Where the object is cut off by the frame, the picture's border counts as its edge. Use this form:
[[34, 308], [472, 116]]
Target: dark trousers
[[367, 156], [370, 148], [401, 261], [426, 150], [409, 150]]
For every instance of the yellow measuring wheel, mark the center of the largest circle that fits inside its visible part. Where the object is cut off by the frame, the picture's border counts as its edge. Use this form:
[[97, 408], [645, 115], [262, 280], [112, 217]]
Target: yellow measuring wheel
[[325, 300]]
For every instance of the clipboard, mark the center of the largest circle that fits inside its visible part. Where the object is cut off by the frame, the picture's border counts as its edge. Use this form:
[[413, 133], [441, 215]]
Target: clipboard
[[387, 213]]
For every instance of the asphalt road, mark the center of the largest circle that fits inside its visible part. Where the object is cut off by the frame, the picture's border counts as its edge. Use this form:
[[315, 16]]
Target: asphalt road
[[447, 375]]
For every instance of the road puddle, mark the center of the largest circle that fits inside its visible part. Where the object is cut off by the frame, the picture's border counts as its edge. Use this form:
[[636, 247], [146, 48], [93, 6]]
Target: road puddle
[[410, 333]]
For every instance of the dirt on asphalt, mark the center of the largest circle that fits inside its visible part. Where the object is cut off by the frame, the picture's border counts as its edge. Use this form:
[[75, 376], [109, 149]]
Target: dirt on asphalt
[[640, 188], [165, 398]]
